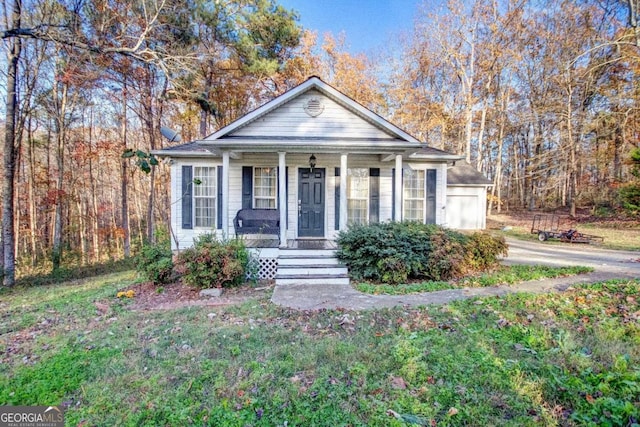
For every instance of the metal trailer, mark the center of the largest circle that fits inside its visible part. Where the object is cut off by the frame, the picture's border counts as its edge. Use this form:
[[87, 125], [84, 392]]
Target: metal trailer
[[548, 227]]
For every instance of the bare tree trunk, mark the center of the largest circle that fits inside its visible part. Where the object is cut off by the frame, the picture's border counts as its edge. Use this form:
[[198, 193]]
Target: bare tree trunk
[[618, 142], [56, 254], [33, 213], [123, 182], [136, 200], [483, 120], [572, 170], [81, 228], [94, 206], [8, 228], [496, 190], [468, 118], [497, 179]]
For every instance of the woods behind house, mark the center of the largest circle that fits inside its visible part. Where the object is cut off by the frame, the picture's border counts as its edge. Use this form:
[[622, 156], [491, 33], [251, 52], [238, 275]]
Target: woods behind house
[[540, 96]]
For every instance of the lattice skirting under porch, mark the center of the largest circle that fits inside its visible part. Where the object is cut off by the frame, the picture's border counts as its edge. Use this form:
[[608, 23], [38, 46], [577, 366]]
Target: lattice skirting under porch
[[268, 268]]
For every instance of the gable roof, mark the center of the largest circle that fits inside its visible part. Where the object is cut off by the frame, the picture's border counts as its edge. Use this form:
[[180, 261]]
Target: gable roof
[[463, 174], [310, 84], [279, 126]]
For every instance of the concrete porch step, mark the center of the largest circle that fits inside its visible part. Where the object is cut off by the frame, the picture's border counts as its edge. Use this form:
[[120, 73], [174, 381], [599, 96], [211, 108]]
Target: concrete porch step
[[311, 270], [310, 266], [328, 280], [289, 261], [313, 253]]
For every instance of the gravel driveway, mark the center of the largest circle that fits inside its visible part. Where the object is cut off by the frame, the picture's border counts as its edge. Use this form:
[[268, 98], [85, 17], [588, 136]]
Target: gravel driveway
[[610, 263]]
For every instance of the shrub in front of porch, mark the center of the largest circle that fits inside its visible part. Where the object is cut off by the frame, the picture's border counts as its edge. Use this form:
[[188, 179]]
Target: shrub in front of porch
[[394, 252], [154, 262], [212, 263]]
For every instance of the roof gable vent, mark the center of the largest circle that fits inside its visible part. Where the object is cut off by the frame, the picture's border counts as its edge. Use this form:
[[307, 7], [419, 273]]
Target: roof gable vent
[[314, 107]]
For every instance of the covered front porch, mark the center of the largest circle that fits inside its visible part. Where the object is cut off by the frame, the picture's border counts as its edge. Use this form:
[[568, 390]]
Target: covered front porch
[[316, 193]]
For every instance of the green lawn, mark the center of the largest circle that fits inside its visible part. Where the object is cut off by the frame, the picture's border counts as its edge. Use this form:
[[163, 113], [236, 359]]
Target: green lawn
[[556, 359], [503, 275]]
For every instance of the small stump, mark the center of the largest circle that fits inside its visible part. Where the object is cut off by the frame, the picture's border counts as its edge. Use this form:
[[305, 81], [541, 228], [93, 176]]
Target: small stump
[[211, 293]]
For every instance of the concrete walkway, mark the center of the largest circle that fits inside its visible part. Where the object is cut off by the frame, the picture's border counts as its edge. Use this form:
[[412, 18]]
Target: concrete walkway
[[315, 297], [608, 265]]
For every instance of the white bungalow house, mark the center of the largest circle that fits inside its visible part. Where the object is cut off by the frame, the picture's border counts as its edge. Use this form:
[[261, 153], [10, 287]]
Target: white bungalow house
[[317, 161]]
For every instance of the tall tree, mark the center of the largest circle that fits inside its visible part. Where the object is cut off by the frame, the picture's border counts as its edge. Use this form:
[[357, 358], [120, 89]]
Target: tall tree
[[10, 147]]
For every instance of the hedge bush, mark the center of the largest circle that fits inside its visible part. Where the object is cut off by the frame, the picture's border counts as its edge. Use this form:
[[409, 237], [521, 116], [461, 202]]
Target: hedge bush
[[212, 263], [155, 262], [394, 252]]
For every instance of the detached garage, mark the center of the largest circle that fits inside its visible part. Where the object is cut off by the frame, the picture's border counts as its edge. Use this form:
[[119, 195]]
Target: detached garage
[[466, 197]]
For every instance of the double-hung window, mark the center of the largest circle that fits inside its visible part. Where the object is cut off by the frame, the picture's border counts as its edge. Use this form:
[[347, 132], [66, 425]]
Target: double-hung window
[[414, 195], [357, 195], [265, 187], [204, 195]]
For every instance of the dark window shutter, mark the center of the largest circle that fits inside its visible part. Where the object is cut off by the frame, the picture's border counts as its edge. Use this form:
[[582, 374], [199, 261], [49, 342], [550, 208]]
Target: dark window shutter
[[247, 187], [219, 199], [337, 207], [187, 197], [286, 172], [430, 217], [374, 195]]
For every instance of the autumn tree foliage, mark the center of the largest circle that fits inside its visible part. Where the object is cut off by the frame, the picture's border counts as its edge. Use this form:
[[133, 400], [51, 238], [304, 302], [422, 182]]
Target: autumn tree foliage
[[531, 92], [94, 78], [539, 95]]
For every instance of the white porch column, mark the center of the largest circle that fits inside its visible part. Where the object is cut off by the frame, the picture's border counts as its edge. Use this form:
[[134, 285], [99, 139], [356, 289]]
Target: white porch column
[[225, 193], [282, 201], [398, 188], [344, 214]]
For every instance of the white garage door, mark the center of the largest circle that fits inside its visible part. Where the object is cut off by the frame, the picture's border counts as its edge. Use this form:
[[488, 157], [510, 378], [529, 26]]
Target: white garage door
[[463, 212]]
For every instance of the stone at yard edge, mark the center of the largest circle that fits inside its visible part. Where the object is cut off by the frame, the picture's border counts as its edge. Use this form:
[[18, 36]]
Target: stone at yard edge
[[213, 292]]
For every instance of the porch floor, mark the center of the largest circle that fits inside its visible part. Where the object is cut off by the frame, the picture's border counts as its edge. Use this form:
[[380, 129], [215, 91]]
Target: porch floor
[[292, 243]]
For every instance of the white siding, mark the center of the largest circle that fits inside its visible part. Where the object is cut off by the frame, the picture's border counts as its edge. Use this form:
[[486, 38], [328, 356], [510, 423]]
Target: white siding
[[328, 162], [291, 120]]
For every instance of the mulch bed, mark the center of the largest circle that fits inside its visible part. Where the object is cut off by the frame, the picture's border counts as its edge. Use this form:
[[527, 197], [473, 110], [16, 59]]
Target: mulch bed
[[176, 295]]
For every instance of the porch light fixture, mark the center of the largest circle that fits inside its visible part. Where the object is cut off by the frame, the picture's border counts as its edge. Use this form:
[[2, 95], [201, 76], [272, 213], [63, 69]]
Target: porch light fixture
[[312, 162]]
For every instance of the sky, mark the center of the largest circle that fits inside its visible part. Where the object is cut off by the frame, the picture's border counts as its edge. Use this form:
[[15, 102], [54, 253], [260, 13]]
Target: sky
[[368, 24]]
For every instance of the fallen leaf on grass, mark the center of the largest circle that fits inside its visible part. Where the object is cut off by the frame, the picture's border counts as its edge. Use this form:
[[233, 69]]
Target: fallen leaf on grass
[[452, 411], [398, 383]]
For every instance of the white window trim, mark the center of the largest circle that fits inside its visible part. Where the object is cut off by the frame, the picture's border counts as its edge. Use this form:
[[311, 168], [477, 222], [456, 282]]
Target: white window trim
[[365, 199], [214, 177], [275, 186], [405, 199]]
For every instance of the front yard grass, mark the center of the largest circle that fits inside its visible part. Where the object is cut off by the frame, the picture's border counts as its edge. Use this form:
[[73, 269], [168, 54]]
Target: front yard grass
[[503, 275], [569, 358]]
